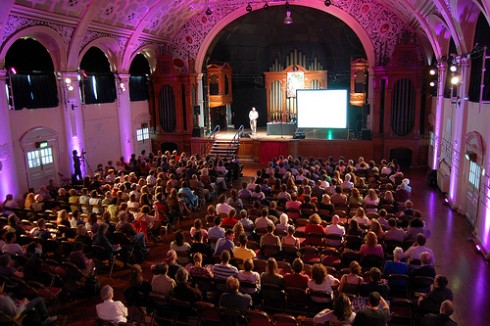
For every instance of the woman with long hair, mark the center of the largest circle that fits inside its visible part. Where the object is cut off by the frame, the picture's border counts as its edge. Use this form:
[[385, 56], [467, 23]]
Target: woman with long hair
[[371, 247], [321, 281], [341, 314]]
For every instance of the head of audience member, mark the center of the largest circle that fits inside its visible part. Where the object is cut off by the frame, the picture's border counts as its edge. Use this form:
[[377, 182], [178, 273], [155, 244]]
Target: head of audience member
[[179, 238], [264, 212], [106, 293], [375, 274], [248, 264], [230, 234], [271, 267], [447, 308], [225, 257], [182, 276], [160, 269], [198, 238], [217, 221], [374, 299], [371, 239], [243, 240], [315, 219], [335, 219], [136, 276], [283, 219], [440, 282], [398, 254], [233, 284], [171, 257], [318, 273], [425, 258], [342, 307], [382, 213], [291, 230], [197, 259], [420, 239], [298, 265], [355, 268], [243, 214]]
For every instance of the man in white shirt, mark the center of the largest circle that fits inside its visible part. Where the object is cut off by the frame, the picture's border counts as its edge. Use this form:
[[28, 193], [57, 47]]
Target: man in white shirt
[[335, 228], [253, 116], [111, 310], [416, 250]]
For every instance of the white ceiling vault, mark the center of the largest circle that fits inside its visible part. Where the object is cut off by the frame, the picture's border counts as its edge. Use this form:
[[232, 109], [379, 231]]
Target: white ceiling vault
[[182, 28]]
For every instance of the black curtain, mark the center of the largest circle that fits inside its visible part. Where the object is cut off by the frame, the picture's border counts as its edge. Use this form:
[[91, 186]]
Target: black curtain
[[138, 88], [482, 38], [34, 91], [104, 86]]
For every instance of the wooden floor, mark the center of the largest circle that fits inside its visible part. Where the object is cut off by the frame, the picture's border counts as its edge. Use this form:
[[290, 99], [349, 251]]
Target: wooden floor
[[468, 273]]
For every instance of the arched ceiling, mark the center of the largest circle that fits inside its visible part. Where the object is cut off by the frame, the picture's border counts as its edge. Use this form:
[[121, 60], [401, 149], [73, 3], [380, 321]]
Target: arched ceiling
[[184, 25]]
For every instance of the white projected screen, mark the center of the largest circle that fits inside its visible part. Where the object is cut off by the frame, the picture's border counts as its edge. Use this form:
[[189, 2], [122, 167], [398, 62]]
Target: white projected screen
[[321, 108]]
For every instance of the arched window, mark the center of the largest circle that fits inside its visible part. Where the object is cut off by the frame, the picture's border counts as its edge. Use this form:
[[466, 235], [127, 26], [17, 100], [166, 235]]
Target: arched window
[[139, 78], [98, 83], [31, 77]]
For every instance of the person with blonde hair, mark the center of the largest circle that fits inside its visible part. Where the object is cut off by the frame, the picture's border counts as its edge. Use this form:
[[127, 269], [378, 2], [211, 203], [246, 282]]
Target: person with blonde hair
[[361, 217], [314, 224], [371, 247]]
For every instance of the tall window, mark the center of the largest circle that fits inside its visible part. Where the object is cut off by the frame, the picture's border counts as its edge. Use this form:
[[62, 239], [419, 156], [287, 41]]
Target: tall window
[[40, 157], [474, 175], [143, 133]]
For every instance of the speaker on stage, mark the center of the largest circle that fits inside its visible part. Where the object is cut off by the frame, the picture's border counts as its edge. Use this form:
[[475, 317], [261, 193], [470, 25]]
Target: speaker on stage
[[197, 109], [366, 134]]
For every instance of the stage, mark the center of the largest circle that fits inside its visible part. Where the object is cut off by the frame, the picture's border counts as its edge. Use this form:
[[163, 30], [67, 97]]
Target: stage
[[317, 143]]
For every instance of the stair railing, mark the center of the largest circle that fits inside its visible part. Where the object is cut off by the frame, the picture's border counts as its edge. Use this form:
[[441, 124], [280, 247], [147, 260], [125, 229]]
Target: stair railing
[[235, 140], [204, 150]]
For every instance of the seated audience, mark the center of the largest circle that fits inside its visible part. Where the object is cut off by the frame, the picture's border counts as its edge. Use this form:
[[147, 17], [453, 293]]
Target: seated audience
[[394, 233], [314, 225], [290, 239], [183, 290], [34, 309], [161, 283], [109, 310], [226, 243], [377, 311], [250, 276], [230, 220], [321, 281], [371, 247], [351, 283], [396, 266], [198, 269], [335, 228], [297, 279], [443, 318], [269, 238], [431, 302], [234, 299], [425, 268], [341, 314], [224, 269], [242, 252], [375, 283], [283, 222], [418, 248]]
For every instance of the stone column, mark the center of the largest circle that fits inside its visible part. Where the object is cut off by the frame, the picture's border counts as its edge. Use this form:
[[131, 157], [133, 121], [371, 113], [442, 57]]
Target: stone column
[[124, 116], [9, 183]]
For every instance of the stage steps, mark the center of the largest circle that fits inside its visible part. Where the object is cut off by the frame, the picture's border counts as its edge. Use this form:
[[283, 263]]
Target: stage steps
[[225, 148]]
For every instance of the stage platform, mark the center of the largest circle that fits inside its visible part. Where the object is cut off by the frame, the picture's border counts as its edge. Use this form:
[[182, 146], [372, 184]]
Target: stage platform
[[317, 143]]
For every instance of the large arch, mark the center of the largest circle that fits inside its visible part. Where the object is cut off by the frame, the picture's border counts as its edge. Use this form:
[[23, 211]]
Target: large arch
[[111, 49], [48, 37], [335, 11]]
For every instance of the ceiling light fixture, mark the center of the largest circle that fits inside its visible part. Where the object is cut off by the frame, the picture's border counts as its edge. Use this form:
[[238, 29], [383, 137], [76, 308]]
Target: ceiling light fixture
[[208, 11], [328, 3], [249, 7], [288, 20]]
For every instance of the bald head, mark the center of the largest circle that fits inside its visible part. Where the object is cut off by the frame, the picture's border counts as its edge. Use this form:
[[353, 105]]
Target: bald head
[[335, 219]]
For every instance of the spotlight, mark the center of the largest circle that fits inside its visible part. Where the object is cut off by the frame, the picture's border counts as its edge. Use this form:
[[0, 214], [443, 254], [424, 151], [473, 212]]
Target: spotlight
[[208, 11], [249, 7], [13, 71], [432, 72], [67, 80], [432, 84], [455, 80], [288, 20], [453, 68], [328, 3]]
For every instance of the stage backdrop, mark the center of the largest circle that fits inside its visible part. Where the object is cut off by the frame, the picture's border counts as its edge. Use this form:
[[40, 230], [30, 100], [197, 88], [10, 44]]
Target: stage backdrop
[[271, 149]]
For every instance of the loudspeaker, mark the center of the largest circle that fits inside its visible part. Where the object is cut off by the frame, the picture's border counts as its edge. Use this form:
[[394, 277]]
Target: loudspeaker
[[197, 132], [197, 109], [366, 134]]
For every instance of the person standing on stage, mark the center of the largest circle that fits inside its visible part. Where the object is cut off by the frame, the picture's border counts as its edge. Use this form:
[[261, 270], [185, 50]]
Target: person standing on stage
[[77, 176], [253, 116]]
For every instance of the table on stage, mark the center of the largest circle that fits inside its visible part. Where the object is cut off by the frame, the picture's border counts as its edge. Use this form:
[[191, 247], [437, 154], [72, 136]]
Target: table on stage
[[281, 128]]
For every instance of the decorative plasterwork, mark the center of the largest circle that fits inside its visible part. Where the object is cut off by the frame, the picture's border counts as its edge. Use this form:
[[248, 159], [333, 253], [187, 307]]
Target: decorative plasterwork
[[92, 35], [382, 25], [16, 23]]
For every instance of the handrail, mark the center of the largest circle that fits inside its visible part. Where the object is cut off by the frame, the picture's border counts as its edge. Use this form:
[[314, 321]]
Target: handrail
[[236, 138], [209, 141]]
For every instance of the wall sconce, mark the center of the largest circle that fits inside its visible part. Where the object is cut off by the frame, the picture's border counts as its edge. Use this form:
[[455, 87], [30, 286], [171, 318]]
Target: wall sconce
[[288, 20], [470, 156], [68, 84]]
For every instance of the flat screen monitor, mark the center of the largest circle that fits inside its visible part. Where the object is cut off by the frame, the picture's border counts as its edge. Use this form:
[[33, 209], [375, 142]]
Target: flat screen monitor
[[321, 108]]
